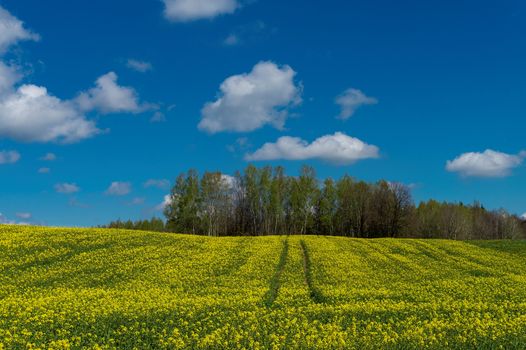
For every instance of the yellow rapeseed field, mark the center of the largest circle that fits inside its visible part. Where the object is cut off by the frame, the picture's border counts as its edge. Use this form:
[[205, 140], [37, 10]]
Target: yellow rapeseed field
[[117, 289]]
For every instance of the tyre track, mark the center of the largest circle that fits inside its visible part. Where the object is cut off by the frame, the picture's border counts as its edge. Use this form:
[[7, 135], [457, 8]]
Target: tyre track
[[314, 293], [273, 291]]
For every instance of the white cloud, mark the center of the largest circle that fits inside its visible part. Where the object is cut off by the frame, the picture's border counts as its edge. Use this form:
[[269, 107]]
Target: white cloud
[[49, 157], [66, 188], [350, 100], [9, 76], [167, 200], [139, 66], [24, 216], [487, 164], [523, 216], [338, 148], [44, 171], [12, 30], [191, 10], [109, 97], [9, 157], [30, 114], [250, 101], [119, 188], [228, 180], [158, 183]]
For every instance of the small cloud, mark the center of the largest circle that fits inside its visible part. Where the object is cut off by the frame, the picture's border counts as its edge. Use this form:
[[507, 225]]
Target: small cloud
[[44, 171], [523, 216], [228, 180], [110, 97], [488, 164], [167, 200], [192, 10], [139, 66], [66, 188], [24, 216], [338, 149], [48, 157], [249, 101], [13, 31], [352, 99], [9, 157], [157, 183], [158, 117], [119, 188]]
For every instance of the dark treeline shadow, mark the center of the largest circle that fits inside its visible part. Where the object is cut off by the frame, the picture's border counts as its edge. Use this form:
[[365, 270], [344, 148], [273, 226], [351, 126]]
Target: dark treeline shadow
[[265, 201]]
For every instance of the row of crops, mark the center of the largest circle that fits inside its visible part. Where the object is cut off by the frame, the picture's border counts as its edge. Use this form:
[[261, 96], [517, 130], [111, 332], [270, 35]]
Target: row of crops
[[110, 289]]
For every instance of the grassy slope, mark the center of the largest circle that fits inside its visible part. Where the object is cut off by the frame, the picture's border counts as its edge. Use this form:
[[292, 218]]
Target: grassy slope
[[63, 288]]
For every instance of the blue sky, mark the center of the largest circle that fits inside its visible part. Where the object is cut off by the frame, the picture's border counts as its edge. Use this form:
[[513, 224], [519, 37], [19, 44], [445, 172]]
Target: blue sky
[[102, 103]]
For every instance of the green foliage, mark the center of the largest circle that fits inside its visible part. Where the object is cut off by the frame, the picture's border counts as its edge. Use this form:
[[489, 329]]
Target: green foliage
[[154, 224], [264, 201]]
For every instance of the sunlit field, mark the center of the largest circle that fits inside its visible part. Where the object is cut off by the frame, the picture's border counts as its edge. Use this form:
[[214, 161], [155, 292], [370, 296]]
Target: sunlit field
[[116, 289]]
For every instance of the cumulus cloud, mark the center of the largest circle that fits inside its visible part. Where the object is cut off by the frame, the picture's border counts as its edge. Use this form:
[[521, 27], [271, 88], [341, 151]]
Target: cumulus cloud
[[486, 164], [191, 10], [228, 180], [167, 200], [249, 101], [44, 171], [66, 188], [158, 183], [49, 157], [9, 76], [12, 30], [9, 157], [338, 148], [523, 216], [30, 114], [109, 97], [119, 188], [139, 66], [352, 99]]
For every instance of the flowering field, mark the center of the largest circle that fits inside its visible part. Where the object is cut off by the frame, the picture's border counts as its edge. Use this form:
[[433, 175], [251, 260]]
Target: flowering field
[[114, 289]]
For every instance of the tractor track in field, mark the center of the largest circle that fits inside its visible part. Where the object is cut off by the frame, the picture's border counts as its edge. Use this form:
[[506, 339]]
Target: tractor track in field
[[314, 293], [272, 293]]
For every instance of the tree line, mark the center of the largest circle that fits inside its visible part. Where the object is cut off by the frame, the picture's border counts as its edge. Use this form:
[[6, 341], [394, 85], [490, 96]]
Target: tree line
[[265, 201]]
